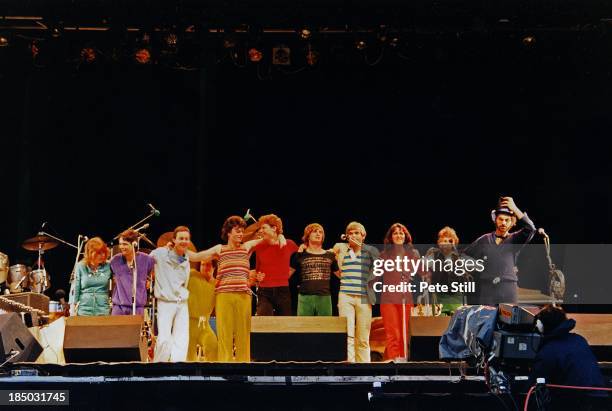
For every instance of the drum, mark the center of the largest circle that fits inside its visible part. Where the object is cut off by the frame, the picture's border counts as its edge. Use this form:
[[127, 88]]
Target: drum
[[55, 310], [18, 278], [39, 281], [4, 267]]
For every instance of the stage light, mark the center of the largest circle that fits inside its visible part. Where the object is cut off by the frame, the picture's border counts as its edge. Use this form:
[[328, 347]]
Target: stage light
[[529, 40], [88, 55], [305, 33], [394, 41], [255, 55], [360, 45], [142, 56], [312, 56], [4, 41], [281, 55], [171, 40]]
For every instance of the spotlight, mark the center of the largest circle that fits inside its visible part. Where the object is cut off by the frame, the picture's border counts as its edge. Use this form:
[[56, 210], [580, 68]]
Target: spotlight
[[4, 41], [55, 32], [255, 55], [394, 41], [529, 41], [142, 56], [34, 50], [305, 33], [171, 40], [360, 45], [88, 55], [281, 55], [312, 56]]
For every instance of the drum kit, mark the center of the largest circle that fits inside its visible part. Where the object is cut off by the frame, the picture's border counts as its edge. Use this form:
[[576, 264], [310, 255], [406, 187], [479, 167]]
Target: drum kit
[[19, 277]]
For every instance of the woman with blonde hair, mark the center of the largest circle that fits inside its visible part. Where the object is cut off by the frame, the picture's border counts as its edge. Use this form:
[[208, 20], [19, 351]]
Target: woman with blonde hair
[[92, 280]]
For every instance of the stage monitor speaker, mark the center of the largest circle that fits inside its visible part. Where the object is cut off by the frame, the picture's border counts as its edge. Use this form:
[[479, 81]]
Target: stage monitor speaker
[[425, 334], [298, 339], [109, 338], [16, 339]]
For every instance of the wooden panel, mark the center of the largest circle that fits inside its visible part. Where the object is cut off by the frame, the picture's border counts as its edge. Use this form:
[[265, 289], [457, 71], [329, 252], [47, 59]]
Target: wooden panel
[[279, 324], [596, 328], [109, 331], [428, 326]]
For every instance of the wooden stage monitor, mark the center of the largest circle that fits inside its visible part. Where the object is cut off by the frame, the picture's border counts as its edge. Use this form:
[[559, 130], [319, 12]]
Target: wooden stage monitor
[[298, 338]]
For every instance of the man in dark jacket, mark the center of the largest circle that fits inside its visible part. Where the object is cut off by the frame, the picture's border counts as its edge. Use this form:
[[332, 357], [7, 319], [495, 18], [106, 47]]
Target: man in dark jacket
[[565, 358], [499, 250]]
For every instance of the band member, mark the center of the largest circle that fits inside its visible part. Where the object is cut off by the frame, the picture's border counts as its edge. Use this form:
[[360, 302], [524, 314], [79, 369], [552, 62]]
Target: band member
[[447, 250], [395, 308], [92, 280], [315, 266], [356, 261], [498, 283], [272, 259], [233, 288], [202, 339], [171, 279], [123, 266]]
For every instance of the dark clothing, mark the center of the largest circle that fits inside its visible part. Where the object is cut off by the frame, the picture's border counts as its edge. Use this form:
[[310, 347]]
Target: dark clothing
[[565, 358], [314, 271], [274, 301], [497, 283]]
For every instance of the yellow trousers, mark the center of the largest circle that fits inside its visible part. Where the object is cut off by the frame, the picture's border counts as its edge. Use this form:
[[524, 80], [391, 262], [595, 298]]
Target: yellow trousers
[[234, 326]]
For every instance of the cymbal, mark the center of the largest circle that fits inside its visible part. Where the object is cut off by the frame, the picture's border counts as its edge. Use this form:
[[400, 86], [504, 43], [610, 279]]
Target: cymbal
[[45, 242]]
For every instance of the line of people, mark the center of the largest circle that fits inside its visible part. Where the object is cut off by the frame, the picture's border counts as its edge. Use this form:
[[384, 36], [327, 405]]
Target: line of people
[[185, 296]]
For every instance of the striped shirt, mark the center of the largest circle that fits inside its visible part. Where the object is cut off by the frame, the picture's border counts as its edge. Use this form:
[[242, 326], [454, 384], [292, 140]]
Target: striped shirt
[[233, 271], [355, 274]]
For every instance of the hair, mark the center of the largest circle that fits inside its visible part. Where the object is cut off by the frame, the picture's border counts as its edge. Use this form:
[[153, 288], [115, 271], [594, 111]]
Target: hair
[[230, 223], [551, 317], [95, 246], [180, 229], [449, 232], [389, 235], [273, 221], [129, 235], [309, 229], [354, 225]]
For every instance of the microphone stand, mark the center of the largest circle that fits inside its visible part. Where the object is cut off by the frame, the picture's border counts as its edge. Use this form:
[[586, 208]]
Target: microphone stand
[[135, 247], [58, 239], [73, 276], [153, 213]]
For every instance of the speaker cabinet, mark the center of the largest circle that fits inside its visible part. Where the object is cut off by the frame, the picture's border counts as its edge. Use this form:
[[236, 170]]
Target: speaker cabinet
[[109, 338], [298, 339], [14, 336]]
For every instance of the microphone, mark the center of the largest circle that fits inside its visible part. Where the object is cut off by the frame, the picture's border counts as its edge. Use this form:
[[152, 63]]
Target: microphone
[[542, 232], [144, 227], [43, 225], [343, 237], [84, 238], [154, 211]]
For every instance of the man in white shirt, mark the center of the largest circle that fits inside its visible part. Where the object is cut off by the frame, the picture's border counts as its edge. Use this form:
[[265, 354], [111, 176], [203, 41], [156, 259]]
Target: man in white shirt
[[171, 279]]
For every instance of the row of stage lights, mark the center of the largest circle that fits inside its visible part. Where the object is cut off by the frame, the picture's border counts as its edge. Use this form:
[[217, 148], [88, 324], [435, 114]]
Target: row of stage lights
[[279, 54]]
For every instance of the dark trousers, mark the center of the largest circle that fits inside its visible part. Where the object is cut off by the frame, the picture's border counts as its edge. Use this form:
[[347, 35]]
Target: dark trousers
[[274, 301]]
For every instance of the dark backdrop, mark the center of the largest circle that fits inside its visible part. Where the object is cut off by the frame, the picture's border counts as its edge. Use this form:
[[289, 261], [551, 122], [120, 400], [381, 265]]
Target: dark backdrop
[[430, 136]]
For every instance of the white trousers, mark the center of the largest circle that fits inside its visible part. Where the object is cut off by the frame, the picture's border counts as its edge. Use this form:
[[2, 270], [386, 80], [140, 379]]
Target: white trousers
[[172, 332], [359, 320]]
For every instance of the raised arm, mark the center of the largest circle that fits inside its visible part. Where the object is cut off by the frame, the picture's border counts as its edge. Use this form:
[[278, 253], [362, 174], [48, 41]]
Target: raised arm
[[204, 256]]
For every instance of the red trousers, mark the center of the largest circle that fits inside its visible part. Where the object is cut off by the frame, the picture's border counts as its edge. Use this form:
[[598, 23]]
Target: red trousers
[[392, 321]]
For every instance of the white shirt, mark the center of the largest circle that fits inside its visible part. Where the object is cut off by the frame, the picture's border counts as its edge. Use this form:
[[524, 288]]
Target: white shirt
[[171, 275]]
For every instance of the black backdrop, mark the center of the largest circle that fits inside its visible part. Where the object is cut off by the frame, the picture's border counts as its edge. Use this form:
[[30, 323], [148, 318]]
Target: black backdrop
[[429, 138]]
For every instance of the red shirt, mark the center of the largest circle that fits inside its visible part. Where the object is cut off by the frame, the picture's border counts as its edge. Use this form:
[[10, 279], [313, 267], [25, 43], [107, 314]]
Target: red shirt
[[274, 262]]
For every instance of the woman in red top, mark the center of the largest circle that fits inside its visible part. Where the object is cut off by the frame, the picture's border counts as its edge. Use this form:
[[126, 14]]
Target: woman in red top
[[395, 307]]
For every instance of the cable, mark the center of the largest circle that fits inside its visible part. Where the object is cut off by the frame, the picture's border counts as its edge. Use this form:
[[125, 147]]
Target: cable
[[568, 387]]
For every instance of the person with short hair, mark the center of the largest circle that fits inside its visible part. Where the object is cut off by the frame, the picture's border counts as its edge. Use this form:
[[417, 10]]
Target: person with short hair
[[92, 280], [123, 266], [273, 256], [171, 280], [315, 267], [564, 357], [356, 261]]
